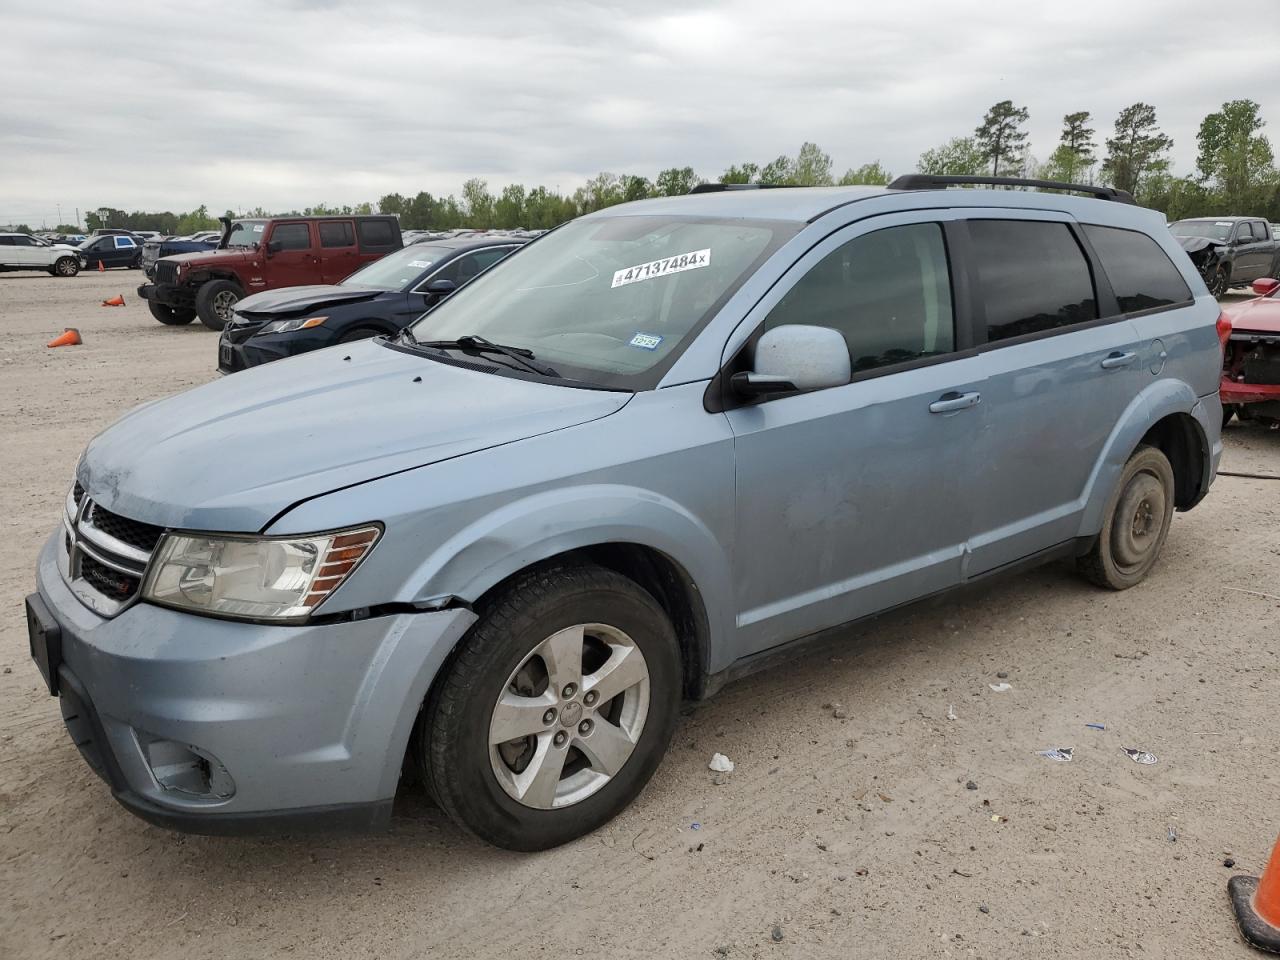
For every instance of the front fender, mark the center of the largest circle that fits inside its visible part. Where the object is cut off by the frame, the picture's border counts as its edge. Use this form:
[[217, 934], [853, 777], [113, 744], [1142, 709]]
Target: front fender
[[1159, 400], [554, 522]]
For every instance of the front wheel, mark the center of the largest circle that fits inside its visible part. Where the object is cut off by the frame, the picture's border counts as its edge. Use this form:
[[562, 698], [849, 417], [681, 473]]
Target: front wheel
[[66, 267], [557, 709], [214, 302], [171, 316], [1219, 281], [1135, 524]]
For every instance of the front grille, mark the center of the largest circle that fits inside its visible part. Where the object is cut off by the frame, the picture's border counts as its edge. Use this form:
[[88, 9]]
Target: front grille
[[166, 272], [105, 555], [144, 536], [1262, 369], [110, 583]]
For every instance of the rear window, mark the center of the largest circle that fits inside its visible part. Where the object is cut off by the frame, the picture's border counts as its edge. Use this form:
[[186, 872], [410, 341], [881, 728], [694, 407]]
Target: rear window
[[1141, 274], [1033, 277], [377, 233]]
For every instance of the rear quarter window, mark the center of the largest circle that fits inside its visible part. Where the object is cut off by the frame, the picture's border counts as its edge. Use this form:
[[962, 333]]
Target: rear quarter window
[[1032, 277], [1141, 273], [376, 233]]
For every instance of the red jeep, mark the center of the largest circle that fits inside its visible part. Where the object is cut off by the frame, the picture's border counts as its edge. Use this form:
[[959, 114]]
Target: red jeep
[[256, 255]]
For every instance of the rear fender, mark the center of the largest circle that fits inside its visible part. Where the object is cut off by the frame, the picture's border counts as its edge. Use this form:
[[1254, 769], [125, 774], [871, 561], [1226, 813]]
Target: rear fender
[[1161, 399]]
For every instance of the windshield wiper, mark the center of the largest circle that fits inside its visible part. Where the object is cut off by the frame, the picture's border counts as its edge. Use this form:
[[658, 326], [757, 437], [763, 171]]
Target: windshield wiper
[[480, 345]]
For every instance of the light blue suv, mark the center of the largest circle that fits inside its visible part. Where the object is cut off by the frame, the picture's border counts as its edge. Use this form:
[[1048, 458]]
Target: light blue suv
[[629, 463]]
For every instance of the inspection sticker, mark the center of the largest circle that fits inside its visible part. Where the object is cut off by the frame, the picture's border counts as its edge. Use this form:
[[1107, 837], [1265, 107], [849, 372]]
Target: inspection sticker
[[646, 341], [257, 227], [1222, 223], [419, 263], [661, 268]]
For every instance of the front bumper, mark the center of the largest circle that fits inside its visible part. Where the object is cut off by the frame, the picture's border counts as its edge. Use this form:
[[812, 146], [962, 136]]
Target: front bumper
[[169, 294], [308, 723], [1233, 391], [240, 349]]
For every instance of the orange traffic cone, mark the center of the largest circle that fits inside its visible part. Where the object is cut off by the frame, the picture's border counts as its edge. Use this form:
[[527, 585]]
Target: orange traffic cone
[[102, 267], [116, 301], [70, 337], [1257, 905]]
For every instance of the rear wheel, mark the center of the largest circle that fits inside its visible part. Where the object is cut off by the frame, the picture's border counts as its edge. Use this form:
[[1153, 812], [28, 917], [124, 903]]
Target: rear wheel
[[557, 709], [1136, 523], [171, 316], [66, 267], [214, 302]]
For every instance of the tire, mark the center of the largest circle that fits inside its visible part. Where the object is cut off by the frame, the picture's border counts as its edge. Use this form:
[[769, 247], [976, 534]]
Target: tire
[[1219, 282], [65, 267], [593, 776], [214, 301], [1228, 411], [171, 316], [1135, 525]]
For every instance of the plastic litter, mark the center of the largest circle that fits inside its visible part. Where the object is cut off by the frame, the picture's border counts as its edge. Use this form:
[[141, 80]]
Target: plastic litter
[[951, 712], [695, 826], [1140, 756], [1000, 687], [720, 763], [1172, 835], [1096, 726], [1058, 754]]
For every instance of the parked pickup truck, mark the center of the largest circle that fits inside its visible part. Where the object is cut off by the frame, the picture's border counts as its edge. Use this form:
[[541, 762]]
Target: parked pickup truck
[[153, 250], [1229, 251], [262, 254]]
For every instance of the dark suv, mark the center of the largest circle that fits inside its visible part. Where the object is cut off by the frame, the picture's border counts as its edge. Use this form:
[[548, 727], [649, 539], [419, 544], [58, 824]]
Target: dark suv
[[262, 254]]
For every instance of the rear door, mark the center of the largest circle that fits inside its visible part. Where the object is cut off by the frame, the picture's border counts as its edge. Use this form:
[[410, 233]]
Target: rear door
[[339, 255], [8, 252], [1254, 249], [855, 499], [121, 252], [292, 259], [26, 252], [1061, 365]]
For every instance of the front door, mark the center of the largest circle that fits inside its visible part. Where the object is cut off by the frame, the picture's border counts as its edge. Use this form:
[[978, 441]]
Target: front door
[[291, 258], [854, 499]]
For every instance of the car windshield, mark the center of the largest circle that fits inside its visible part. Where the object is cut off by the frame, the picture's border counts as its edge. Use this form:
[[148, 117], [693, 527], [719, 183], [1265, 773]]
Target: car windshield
[[612, 301], [1211, 229], [396, 271], [246, 233]]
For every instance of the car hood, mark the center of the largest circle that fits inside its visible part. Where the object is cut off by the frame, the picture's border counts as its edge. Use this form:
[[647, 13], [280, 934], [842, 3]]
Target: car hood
[[205, 255], [1261, 314], [233, 454], [293, 299], [1192, 244]]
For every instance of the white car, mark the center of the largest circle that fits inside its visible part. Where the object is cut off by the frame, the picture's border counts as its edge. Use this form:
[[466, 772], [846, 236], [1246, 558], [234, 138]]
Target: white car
[[20, 251]]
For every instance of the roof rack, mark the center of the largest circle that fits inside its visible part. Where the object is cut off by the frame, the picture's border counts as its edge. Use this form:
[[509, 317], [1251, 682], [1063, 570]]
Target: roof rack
[[722, 187], [926, 181]]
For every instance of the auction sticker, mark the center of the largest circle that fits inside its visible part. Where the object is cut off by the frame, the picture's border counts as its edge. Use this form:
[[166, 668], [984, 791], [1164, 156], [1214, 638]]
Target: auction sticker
[[661, 268], [645, 341]]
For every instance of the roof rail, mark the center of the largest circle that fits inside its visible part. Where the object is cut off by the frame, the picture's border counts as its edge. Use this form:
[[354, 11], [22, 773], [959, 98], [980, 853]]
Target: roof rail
[[722, 187], [928, 181]]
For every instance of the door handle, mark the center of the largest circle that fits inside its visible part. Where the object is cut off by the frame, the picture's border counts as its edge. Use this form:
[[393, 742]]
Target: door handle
[[952, 401], [1113, 361]]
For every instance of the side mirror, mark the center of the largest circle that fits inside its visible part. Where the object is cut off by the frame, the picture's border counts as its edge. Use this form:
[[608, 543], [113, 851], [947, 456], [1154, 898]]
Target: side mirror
[[795, 357], [441, 288], [275, 246], [1266, 286]]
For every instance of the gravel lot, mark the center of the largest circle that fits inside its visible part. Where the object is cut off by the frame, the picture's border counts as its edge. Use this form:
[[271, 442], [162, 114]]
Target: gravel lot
[[848, 837]]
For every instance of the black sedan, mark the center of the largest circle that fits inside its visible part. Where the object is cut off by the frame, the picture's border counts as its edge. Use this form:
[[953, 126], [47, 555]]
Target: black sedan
[[112, 250], [378, 299]]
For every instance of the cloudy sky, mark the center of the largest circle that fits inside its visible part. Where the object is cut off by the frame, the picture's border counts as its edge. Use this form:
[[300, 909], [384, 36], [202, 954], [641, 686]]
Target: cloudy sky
[[285, 104]]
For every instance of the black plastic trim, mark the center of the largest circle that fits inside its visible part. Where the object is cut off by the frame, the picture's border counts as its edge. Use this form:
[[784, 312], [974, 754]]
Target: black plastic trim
[[333, 818], [926, 181]]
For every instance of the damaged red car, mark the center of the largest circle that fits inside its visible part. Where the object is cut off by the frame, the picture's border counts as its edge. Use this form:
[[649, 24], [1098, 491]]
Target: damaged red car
[[1251, 359]]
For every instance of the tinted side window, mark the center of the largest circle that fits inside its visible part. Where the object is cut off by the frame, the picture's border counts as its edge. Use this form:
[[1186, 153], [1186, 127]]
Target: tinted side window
[[21, 241], [377, 233], [1032, 277], [1140, 272], [6, 241], [292, 236], [339, 234], [888, 293]]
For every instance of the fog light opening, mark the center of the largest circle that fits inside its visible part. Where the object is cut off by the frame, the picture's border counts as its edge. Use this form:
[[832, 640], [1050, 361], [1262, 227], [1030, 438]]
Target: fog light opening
[[183, 769]]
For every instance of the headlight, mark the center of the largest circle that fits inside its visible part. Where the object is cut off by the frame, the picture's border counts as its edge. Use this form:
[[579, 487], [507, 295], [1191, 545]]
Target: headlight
[[254, 578], [288, 326]]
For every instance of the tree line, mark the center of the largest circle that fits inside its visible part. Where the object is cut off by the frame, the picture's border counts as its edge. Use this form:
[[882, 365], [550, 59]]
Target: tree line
[[1235, 174]]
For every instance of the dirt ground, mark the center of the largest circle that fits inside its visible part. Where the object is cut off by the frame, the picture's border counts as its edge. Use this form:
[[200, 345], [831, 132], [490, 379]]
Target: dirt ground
[[855, 837]]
